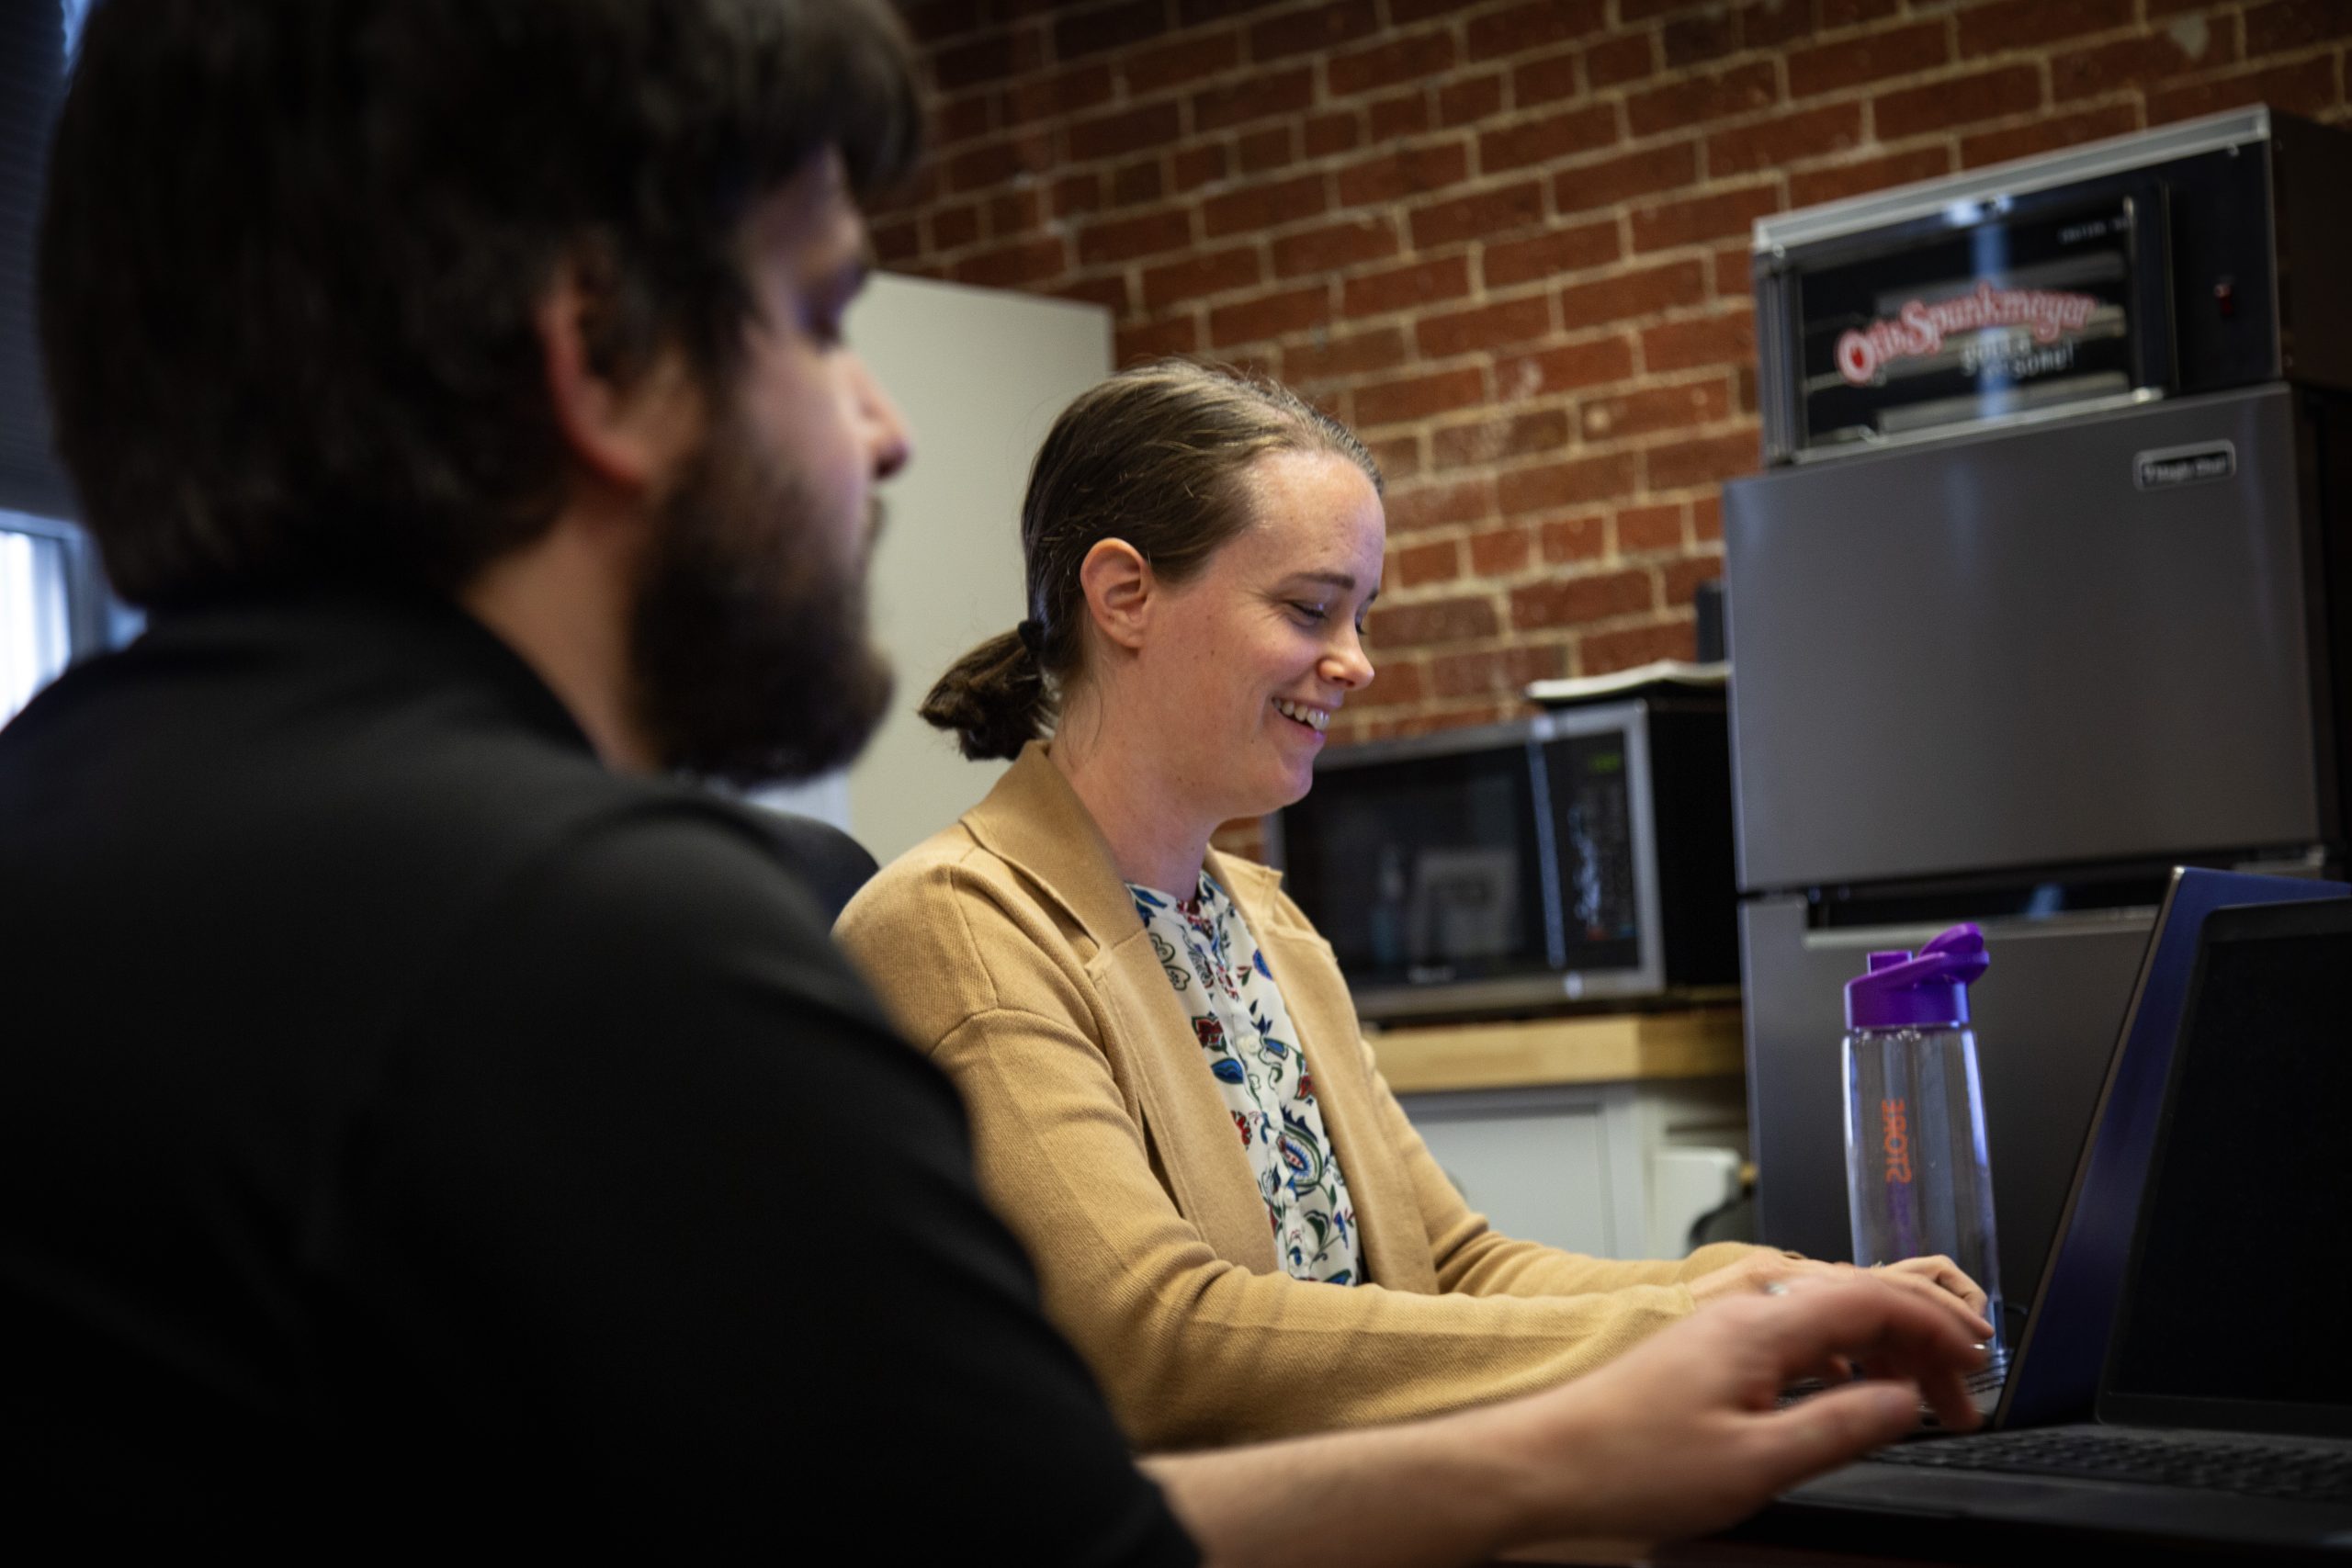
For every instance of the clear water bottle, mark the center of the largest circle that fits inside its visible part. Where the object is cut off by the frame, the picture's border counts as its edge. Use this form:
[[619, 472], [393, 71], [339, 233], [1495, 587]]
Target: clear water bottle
[[1917, 1182]]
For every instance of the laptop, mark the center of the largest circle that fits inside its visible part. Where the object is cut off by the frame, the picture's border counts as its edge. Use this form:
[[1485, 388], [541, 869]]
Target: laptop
[[2053, 1370], [2223, 1403]]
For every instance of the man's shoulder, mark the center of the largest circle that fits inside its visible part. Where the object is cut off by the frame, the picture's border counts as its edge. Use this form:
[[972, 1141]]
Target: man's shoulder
[[310, 737], [319, 806], [681, 894], [542, 847]]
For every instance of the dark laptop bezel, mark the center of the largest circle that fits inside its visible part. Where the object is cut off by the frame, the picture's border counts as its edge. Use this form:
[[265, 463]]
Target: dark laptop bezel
[[2185, 883], [2237, 923], [2003, 1411]]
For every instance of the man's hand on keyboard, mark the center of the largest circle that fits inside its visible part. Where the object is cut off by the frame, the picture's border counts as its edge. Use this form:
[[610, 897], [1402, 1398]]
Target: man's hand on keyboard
[[1681, 1436]]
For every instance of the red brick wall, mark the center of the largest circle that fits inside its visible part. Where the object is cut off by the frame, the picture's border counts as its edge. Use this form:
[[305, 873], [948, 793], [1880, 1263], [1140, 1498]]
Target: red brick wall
[[1506, 239]]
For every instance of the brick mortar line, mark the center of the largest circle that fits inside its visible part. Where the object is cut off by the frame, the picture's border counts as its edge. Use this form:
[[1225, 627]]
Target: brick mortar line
[[1557, 220], [1612, 559], [1628, 143], [1618, 95], [1457, 25], [1327, 166]]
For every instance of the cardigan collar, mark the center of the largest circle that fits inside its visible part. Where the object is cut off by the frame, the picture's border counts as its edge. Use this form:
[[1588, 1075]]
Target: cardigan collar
[[1034, 821]]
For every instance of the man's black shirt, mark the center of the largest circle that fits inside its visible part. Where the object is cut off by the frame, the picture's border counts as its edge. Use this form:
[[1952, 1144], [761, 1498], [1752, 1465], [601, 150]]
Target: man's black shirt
[[403, 1119]]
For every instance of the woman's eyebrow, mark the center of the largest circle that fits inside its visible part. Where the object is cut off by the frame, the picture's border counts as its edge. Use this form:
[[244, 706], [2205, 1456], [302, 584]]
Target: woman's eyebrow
[[1343, 581]]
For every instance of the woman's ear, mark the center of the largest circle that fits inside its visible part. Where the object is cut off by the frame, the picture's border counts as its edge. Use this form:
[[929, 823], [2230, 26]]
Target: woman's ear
[[629, 433], [1118, 586]]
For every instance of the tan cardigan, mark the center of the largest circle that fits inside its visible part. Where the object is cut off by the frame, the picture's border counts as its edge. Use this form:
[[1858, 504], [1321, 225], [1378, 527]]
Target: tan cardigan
[[1008, 949]]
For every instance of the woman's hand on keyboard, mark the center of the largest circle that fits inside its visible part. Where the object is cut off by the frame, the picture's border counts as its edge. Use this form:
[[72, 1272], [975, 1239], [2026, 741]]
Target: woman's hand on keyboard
[[1937, 1280]]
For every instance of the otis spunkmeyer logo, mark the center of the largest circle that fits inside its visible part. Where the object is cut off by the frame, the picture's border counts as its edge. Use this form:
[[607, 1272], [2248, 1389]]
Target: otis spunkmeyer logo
[[1919, 328]]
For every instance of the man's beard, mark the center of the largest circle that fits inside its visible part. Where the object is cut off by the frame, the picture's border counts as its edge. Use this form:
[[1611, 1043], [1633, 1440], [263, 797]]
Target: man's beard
[[749, 644]]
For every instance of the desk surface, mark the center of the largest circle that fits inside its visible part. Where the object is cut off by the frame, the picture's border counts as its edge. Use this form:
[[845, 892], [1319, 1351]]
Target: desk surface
[[1607, 1048]]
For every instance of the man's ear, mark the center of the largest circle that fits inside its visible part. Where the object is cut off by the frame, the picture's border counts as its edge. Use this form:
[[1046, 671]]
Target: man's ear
[[629, 433], [1119, 589]]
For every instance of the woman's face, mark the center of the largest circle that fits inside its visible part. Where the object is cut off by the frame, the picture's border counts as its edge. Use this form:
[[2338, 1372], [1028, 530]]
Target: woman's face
[[1247, 663]]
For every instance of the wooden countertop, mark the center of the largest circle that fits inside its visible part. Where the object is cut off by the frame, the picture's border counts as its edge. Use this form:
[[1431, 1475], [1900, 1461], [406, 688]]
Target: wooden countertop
[[1606, 1048]]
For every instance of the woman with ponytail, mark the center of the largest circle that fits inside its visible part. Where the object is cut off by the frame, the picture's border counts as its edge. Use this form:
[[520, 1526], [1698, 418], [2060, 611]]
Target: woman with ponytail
[[1170, 1101]]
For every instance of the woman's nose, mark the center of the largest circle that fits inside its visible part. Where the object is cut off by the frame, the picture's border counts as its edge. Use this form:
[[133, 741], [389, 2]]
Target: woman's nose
[[1349, 665]]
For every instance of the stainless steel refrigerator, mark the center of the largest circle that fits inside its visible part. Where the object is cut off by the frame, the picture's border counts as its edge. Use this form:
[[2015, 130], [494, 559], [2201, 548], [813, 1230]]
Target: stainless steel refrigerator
[[2046, 592]]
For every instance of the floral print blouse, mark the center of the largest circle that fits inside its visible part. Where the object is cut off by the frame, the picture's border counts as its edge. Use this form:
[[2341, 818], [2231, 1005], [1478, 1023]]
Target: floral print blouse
[[1248, 1046]]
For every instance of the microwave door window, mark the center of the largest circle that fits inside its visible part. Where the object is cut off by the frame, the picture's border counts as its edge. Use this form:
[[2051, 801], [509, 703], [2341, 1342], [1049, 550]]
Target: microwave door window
[[1424, 872], [1464, 908]]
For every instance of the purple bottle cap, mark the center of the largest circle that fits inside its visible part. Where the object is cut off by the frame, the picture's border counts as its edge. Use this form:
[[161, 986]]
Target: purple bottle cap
[[1928, 991]]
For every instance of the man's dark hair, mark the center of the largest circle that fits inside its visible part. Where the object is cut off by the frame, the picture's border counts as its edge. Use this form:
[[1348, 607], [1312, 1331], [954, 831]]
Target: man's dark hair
[[292, 249]]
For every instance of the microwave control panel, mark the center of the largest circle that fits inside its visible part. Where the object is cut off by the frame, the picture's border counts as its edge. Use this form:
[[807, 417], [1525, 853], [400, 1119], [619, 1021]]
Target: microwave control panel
[[1592, 824]]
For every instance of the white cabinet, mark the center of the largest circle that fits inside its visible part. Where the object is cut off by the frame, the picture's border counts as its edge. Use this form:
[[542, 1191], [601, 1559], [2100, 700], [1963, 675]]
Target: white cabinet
[[1580, 1166], [1604, 1135]]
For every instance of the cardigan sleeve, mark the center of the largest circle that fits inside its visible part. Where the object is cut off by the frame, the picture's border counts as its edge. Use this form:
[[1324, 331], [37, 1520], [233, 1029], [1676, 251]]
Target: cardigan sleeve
[[1466, 1256], [1191, 1348]]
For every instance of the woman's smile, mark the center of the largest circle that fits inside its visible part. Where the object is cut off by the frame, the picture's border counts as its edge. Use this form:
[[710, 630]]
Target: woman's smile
[[1305, 714]]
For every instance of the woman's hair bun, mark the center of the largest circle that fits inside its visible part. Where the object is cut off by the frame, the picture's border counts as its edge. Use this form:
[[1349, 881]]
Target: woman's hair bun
[[993, 699]]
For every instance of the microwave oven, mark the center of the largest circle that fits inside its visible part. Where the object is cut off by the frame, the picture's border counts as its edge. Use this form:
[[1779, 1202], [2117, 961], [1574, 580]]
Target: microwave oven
[[2194, 258], [1581, 855]]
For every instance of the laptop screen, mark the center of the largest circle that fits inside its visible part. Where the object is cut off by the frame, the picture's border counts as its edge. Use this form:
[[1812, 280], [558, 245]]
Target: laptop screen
[[2236, 1308]]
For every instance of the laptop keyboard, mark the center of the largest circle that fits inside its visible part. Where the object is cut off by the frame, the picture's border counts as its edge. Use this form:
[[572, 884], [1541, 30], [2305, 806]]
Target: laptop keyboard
[[2314, 1475]]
